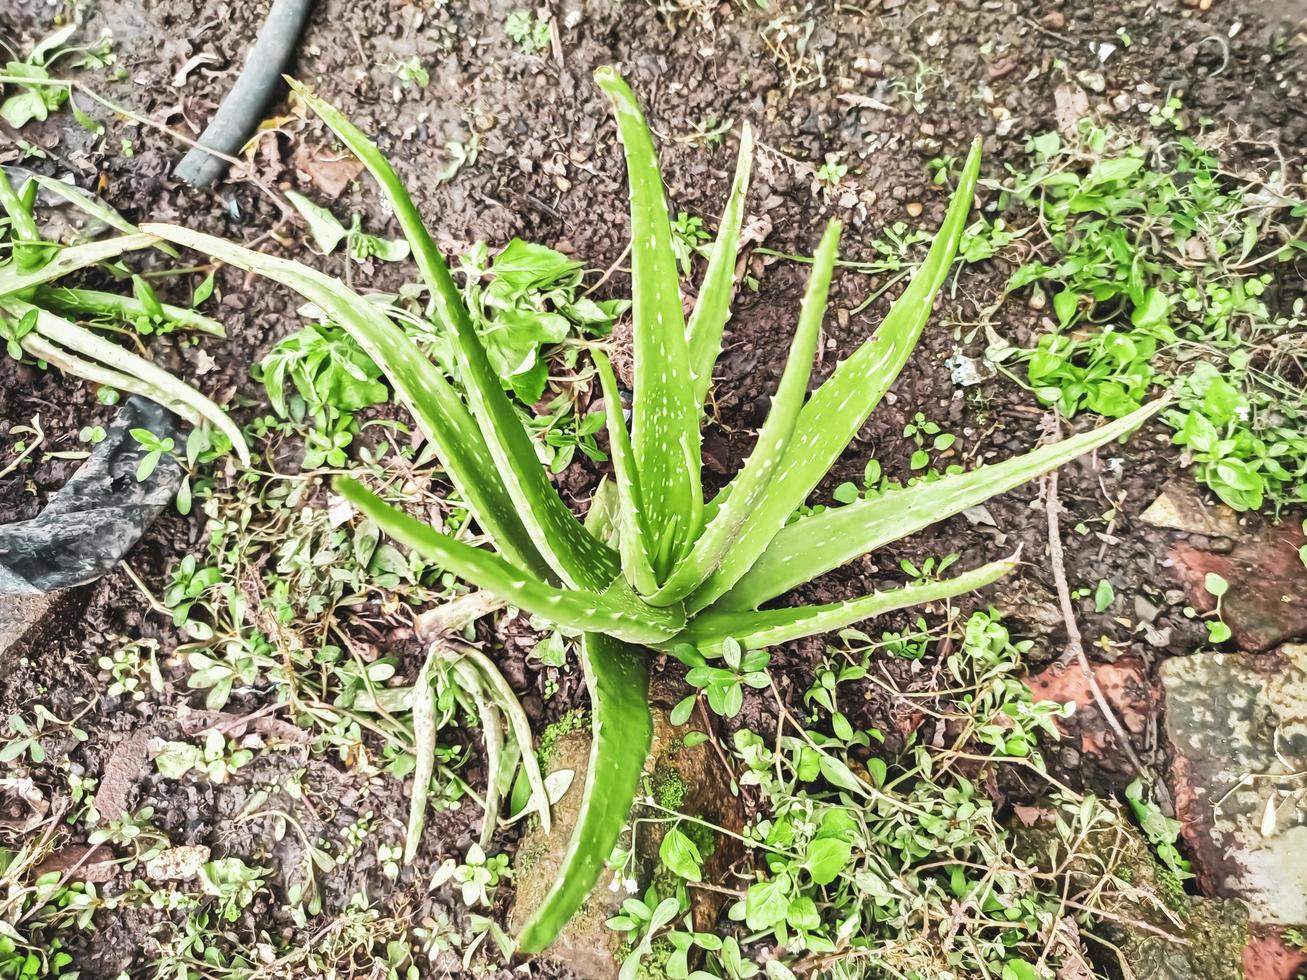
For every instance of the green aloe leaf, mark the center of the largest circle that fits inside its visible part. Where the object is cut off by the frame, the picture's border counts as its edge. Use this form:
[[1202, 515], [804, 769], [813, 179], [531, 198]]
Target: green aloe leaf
[[420, 385], [766, 461], [632, 540], [93, 206], [70, 260], [612, 613], [665, 416], [836, 410], [578, 559], [709, 630], [713, 307], [621, 732], [813, 545], [62, 299]]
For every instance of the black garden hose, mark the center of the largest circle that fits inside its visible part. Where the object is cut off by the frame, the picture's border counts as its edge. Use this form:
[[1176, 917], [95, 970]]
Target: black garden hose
[[243, 108]]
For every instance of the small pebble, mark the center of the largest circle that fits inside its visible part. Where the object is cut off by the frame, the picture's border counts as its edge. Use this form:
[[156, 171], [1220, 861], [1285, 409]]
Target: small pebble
[[913, 208]]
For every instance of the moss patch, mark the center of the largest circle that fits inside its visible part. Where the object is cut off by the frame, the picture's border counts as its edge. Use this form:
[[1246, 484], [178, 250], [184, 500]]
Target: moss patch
[[575, 720]]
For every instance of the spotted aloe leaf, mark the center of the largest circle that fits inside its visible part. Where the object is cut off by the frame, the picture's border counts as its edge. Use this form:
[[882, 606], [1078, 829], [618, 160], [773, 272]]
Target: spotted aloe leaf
[[709, 630], [814, 545], [436, 406], [836, 410], [665, 417], [575, 556], [632, 537], [621, 729], [615, 612], [749, 485], [713, 307], [13, 281]]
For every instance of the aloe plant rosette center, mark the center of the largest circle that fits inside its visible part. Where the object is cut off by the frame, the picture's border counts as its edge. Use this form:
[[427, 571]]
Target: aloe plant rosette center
[[671, 567]]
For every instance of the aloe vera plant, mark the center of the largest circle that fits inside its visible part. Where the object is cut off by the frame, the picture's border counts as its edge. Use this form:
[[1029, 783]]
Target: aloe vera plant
[[665, 566], [39, 318]]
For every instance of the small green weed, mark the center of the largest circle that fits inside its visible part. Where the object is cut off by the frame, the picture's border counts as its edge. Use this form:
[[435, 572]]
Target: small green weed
[[527, 30], [872, 864], [1160, 264]]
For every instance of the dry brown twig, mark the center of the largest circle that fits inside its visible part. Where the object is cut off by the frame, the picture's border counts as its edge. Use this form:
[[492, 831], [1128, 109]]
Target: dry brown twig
[[1075, 647]]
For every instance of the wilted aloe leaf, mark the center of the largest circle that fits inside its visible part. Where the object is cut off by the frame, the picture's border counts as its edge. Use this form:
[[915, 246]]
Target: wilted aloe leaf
[[621, 729], [836, 410], [578, 558], [506, 701], [762, 465], [612, 613], [70, 363], [144, 377], [94, 207], [709, 630], [713, 307], [436, 407], [814, 545], [665, 416]]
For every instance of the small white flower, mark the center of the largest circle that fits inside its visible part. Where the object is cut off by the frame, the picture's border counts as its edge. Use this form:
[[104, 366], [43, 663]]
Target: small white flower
[[631, 885]]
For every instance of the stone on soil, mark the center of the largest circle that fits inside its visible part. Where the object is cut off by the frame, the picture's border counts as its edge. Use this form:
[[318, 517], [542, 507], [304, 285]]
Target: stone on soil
[[1181, 506], [1237, 729], [28, 617], [1124, 685], [1267, 599], [690, 779]]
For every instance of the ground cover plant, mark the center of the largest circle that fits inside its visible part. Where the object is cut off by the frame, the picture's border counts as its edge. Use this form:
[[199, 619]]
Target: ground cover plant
[[898, 864], [1160, 267], [684, 572]]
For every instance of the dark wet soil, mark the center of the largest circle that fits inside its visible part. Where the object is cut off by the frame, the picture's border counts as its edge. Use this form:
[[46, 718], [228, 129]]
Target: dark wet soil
[[886, 86]]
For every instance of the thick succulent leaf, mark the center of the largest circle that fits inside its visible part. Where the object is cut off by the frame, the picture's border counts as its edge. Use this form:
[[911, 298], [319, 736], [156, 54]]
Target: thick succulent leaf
[[578, 558], [62, 299], [665, 416], [837, 410], [611, 613], [747, 488], [420, 385], [70, 260], [621, 731], [157, 383], [632, 539], [768, 627], [713, 307], [813, 545]]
